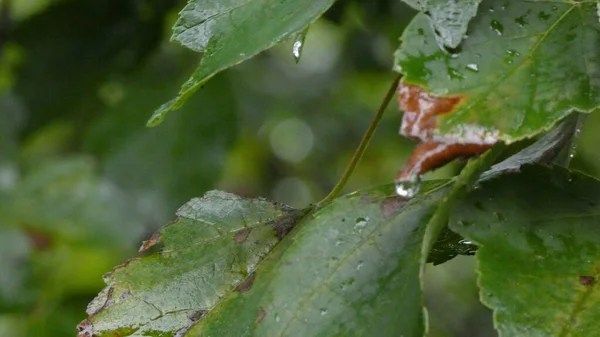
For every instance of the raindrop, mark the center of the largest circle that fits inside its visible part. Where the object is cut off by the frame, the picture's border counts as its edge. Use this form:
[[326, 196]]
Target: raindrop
[[455, 74], [408, 188], [473, 67], [338, 243], [465, 242], [361, 223], [299, 45], [497, 27], [360, 265], [554, 8], [521, 20], [323, 312], [277, 318], [543, 16]]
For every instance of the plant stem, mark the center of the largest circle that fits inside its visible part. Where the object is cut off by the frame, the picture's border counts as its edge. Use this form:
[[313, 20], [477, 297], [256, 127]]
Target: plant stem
[[339, 187], [462, 183]]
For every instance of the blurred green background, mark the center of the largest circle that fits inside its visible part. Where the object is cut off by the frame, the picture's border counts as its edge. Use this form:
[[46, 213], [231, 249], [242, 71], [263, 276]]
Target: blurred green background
[[83, 182]]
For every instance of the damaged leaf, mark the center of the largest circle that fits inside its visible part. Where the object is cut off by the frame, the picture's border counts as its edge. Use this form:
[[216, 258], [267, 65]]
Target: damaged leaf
[[203, 258], [231, 31], [539, 250], [506, 71]]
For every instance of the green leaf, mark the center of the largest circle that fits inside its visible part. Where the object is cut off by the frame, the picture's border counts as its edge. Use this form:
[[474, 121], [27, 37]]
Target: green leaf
[[539, 250], [506, 72], [229, 32], [449, 18], [350, 269], [214, 245]]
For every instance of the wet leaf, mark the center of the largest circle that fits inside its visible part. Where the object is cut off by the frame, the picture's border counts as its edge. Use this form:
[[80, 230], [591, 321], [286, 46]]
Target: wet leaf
[[351, 268], [449, 18], [229, 32], [342, 271], [506, 71], [214, 246], [539, 252]]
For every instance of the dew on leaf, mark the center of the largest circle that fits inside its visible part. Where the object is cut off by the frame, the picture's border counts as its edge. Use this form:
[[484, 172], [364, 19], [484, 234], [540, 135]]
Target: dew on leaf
[[521, 20], [408, 188], [455, 74], [497, 27], [360, 265], [543, 16], [361, 222], [323, 311], [473, 67]]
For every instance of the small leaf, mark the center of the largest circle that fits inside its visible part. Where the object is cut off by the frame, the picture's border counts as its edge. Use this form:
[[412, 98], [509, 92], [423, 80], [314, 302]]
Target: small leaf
[[229, 32], [213, 247], [539, 250], [449, 18], [506, 71]]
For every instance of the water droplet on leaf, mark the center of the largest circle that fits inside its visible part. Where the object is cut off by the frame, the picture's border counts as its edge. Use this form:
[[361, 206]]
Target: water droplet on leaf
[[473, 67], [543, 16], [497, 27], [323, 312], [361, 222], [408, 188], [465, 242]]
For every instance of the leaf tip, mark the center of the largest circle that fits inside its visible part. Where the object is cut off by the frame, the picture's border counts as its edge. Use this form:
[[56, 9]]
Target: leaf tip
[[159, 115]]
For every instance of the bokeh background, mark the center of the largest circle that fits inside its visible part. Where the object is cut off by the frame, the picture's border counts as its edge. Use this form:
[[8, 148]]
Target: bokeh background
[[83, 181]]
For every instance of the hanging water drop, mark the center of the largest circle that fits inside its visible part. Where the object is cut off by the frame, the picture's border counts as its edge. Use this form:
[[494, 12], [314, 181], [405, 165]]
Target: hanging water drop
[[299, 45], [408, 188]]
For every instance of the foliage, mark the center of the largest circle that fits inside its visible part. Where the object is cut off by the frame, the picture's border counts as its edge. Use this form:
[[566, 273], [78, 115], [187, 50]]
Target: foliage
[[82, 181]]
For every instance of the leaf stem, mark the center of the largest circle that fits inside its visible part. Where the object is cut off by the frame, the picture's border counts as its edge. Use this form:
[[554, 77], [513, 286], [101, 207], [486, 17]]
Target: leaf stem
[[339, 187], [462, 183]]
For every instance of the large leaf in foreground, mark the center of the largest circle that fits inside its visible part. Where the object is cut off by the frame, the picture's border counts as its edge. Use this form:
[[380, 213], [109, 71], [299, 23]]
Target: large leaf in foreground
[[449, 18], [214, 245], [231, 31], [539, 252], [506, 71], [350, 269]]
